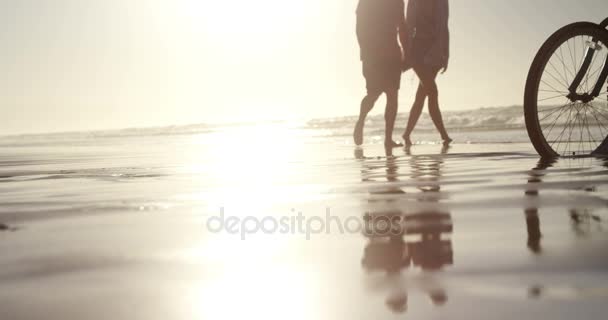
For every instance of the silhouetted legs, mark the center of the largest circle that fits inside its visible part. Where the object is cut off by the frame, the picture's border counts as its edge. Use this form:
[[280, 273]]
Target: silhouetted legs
[[390, 114], [426, 88], [415, 113], [367, 104]]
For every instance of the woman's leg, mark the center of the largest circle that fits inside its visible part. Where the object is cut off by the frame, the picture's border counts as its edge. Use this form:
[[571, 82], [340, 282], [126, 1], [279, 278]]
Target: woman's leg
[[427, 78], [415, 113]]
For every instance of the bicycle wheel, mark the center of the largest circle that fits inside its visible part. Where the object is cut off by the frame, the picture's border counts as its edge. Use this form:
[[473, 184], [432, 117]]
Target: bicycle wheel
[[560, 123]]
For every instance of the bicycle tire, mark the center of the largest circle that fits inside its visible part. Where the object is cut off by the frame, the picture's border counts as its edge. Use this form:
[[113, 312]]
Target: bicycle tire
[[535, 75]]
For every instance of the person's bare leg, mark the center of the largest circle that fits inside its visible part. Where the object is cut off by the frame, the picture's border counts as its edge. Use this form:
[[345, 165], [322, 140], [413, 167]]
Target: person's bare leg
[[390, 114], [435, 113], [415, 113], [438, 120], [367, 104], [428, 81]]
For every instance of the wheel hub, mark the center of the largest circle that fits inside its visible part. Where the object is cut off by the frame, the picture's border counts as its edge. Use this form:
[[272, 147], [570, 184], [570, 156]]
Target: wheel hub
[[584, 98]]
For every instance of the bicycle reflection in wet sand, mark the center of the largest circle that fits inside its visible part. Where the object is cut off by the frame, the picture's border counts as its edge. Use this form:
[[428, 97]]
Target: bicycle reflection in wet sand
[[407, 229], [582, 219], [531, 212]]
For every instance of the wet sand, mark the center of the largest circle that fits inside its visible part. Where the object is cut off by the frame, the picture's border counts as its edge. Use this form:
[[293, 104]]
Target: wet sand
[[124, 229]]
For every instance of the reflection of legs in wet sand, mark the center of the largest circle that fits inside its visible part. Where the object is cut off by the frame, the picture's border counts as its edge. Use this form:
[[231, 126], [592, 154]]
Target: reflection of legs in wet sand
[[400, 240], [431, 253], [444, 149], [398, 303], [389, 254], [392, 253]]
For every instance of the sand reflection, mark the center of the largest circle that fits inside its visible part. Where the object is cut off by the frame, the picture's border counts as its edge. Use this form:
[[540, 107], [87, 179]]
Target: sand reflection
[[407, 229]]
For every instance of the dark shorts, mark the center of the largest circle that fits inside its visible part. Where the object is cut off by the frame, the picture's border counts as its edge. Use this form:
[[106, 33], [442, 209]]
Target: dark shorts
[[382, 76]]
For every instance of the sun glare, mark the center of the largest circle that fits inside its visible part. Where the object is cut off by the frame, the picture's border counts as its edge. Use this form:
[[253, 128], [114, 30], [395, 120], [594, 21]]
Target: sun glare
[[249, 17], [252, 160]]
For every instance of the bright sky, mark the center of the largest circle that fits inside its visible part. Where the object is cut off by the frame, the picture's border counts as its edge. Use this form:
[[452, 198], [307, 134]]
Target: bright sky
[[98, 64]]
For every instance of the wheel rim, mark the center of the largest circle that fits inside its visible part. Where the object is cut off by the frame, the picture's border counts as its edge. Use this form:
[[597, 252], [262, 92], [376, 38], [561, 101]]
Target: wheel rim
[[573, 128]]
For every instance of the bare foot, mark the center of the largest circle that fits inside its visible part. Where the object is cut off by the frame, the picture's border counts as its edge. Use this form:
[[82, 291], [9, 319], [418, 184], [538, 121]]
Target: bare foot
[[358, 133], [392, 144], [359, 154], [408, 141], [447, 141]]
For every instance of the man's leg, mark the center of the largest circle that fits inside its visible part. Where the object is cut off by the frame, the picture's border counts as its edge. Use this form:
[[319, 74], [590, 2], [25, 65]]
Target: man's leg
[[367, 104], [390, 114], [415, 113]]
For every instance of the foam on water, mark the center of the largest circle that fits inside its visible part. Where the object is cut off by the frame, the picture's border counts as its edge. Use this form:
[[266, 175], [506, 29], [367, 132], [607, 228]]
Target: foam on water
[[500, 124]]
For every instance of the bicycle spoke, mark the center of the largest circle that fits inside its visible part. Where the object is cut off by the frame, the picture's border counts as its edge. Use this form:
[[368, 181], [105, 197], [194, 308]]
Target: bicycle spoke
[[581, 60], [597, 120], [571, 126], [586, 126], [552, 91], [576, 127], [580, 140], [564, 64], [545, 99], [596, 53], [554, 123], [600, 107], [555, 107], [548, 85], [592, 74], [573, 132], [590, 136], [559, 142], [600, 113], [600, 128], [553, 112], [561, 76], [596, 71], [565, 85], [571, 56]]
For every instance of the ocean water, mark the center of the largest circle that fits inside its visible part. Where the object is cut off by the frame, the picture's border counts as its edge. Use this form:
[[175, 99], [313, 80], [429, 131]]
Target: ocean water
[[117, 224], [486, 125], [58, 174]]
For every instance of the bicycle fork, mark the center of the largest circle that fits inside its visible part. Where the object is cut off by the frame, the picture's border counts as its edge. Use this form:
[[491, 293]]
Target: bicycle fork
[[573, 95]]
